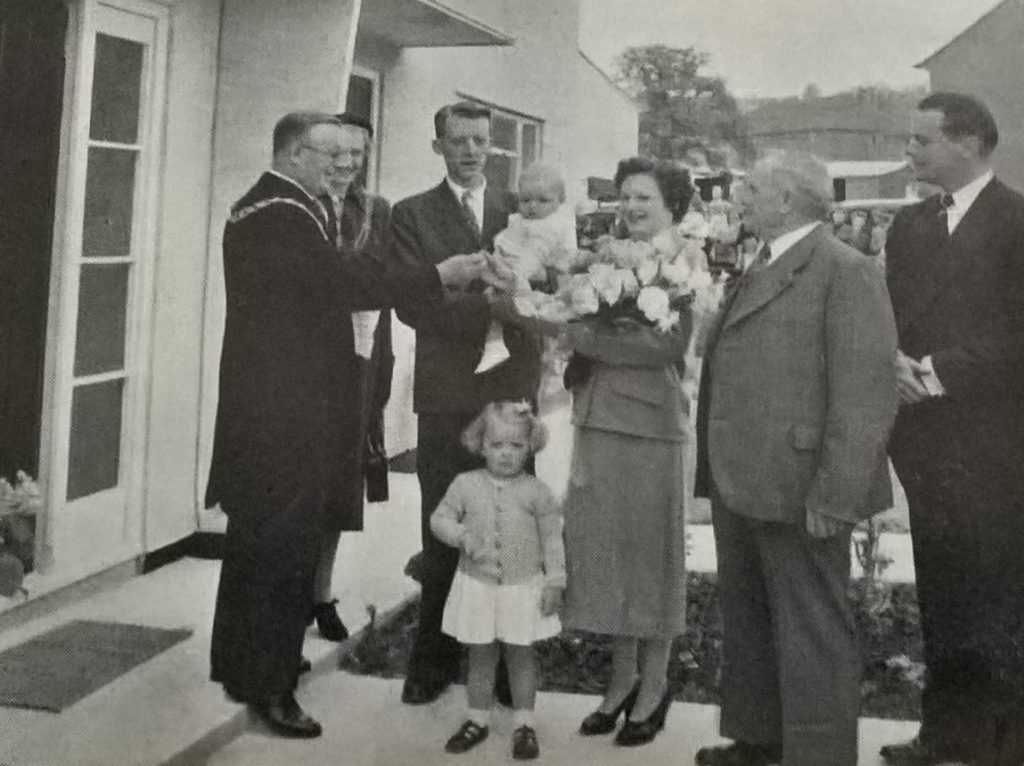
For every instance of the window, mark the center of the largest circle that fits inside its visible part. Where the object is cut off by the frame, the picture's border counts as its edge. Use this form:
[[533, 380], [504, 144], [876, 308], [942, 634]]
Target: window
[[515, 144]]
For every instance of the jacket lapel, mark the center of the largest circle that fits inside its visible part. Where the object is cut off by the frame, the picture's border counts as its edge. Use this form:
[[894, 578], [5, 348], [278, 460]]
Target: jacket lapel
[[941, 258], [756, 290], [495, 216]]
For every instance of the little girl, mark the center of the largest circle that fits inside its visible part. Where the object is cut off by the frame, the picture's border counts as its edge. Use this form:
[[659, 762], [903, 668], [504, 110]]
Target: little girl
[[511, 575]]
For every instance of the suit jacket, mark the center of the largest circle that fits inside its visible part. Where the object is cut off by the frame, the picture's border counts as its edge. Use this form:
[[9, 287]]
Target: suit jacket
[[427, 229], [960, 299], [282, 429], [798, 394], [633, 383]]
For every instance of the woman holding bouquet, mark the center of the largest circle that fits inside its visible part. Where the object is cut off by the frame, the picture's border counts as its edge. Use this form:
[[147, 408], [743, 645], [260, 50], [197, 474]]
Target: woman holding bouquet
[[624, 531]]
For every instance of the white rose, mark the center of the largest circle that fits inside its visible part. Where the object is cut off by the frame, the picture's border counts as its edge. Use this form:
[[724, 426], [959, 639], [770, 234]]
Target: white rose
[[628, 281], [524, 306], [668, 321], [605, 282], [583, 299], [664, 242], [647, 271], [677, 272], [654, 303], [694, 225]]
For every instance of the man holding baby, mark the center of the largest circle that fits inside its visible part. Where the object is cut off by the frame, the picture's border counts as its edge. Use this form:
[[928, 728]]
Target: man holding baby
[[460, 216]]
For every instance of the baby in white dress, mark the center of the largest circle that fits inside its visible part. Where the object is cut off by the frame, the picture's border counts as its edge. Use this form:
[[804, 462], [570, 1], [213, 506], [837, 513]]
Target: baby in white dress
[[540, 236]]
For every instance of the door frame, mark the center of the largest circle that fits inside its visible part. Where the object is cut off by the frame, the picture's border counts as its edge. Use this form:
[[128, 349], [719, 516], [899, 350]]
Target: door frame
[[64, 548]]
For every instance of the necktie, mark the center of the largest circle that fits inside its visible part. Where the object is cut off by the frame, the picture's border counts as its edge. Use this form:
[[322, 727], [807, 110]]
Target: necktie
[[467, 210], [945, 203]]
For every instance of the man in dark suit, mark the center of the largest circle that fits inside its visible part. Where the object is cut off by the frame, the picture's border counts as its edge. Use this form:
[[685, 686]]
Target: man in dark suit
[[955, 267], [281, 440], [797, 400], [459, 216]]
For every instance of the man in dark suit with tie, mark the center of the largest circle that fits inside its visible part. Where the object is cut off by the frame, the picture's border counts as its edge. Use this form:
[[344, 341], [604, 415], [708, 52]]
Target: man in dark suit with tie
[[797, 400], [955, 267], [459, 216]]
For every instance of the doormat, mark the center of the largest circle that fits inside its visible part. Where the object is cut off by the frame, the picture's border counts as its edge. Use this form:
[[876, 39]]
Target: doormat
[[403, 462], [58, 668]]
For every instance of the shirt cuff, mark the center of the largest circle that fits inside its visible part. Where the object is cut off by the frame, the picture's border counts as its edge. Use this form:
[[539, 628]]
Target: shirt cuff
[[929, 379]]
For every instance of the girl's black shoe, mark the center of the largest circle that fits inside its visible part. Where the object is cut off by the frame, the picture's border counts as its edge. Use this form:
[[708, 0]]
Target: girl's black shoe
[[599, 722], [641, 732], [524, 743], [468, 736]]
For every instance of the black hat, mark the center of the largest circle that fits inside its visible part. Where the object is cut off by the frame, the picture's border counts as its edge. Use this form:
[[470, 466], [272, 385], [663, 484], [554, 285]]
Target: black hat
[[345, 118]]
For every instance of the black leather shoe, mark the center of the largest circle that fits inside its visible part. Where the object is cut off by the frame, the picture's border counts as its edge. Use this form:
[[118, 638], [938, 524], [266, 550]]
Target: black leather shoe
[[600, 722], [740, 753], [524, 743], [635, 733], [915, 752], [422, 692], [283, 716], [328, 623], [468, 736]]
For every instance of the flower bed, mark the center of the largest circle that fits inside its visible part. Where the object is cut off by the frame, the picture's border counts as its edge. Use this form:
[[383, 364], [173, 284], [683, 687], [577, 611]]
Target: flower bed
[[887, 618]]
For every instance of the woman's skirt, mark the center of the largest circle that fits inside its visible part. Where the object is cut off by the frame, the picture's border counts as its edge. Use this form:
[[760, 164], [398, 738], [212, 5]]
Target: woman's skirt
[[625, 538]]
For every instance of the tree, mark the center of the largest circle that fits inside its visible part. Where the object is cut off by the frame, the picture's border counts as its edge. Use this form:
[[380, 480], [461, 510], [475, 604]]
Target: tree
[[811, 91], [685, 115]]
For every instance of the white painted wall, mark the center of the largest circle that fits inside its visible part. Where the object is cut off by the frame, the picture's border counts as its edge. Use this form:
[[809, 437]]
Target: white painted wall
[[275, 57], [181, 255]]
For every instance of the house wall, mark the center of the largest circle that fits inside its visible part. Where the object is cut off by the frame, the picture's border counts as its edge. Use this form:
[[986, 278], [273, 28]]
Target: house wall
[[274, 58], [181, 255], [987, 62], [606, 127]]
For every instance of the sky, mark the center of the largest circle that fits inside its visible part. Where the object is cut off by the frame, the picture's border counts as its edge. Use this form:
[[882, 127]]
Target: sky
[[777, 47]]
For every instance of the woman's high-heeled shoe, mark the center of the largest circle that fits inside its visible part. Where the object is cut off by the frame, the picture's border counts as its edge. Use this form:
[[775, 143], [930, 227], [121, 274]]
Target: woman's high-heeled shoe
[[600, 722], [641, 732]]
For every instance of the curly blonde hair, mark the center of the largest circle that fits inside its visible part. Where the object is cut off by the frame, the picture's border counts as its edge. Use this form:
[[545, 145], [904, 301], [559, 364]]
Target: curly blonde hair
[[515, 413]]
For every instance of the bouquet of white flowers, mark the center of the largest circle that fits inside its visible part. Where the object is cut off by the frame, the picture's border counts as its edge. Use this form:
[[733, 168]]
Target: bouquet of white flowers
[[625, 280]]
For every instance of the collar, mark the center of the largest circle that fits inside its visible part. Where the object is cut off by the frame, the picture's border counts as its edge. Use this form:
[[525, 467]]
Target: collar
[[294, 183], [964, 197], [781, 244], [458, 190]]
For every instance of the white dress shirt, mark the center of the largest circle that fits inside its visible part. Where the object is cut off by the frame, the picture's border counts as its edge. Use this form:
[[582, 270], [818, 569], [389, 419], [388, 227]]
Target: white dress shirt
[[964, 197], [781, 244], [476, 198]]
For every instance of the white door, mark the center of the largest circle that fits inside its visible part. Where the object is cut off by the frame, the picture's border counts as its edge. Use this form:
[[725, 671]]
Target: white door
[[102, 355]]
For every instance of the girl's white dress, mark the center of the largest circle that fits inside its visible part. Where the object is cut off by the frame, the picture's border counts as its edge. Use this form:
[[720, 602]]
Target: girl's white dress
[[517, 525]]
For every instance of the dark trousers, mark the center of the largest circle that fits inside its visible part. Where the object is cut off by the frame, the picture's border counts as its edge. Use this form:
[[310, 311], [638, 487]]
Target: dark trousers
[[263, 598], [440, 457], [791, 669], [967, 527]]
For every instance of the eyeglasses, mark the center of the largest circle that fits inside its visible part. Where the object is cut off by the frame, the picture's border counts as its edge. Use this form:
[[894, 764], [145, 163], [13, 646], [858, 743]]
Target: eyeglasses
[[335, 155]]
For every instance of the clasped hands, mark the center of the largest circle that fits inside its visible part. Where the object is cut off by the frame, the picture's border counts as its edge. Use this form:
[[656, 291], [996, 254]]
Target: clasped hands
[[551, 596], [459, 271]]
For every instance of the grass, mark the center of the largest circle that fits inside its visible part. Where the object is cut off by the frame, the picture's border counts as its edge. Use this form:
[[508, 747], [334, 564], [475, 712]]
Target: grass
[[575, 662]]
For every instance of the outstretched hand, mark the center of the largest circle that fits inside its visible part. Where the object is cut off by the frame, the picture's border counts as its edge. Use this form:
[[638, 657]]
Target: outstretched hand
[[461, 270]]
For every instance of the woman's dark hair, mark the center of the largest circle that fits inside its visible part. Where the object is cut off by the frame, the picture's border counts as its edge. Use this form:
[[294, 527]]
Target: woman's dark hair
[[673, 181]]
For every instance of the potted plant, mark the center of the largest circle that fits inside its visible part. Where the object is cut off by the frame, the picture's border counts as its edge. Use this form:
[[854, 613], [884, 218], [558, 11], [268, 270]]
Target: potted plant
[[20, 504]]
